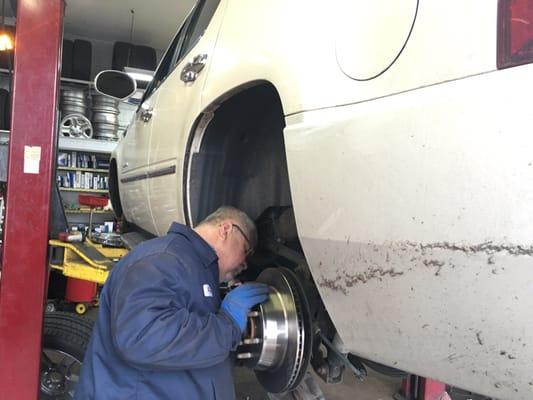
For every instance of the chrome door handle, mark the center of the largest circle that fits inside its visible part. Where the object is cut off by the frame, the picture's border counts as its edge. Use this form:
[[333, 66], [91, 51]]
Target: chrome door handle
[[146, 115], [125, 165], [190, 72]]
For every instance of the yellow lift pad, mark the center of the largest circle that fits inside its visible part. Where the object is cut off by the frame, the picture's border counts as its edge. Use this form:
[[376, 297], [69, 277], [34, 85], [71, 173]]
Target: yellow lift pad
[[88, 260]]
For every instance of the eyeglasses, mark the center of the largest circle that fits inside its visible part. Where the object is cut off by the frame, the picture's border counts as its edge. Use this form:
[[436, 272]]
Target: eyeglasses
[[250, 249]]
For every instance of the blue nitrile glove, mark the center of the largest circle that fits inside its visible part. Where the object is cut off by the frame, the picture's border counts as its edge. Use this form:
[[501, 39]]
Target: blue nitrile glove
[[239, 301]]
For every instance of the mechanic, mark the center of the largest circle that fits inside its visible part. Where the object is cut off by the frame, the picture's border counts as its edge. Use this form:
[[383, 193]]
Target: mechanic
[[161, 331]]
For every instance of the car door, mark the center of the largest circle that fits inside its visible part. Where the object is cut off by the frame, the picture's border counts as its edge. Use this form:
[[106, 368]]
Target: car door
[[136, 143], [178, 106], [133, 166]]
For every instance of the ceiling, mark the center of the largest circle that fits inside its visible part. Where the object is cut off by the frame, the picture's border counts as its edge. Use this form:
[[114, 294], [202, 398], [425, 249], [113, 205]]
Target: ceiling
[[155, 21]]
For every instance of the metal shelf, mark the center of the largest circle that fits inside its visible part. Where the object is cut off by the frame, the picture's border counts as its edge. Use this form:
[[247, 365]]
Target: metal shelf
[[77, 81], [74, 211], [87, 145], [100, 171], [64, 189]]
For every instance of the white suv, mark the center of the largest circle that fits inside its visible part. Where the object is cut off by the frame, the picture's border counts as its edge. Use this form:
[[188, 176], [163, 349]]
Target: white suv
[[400, 134]]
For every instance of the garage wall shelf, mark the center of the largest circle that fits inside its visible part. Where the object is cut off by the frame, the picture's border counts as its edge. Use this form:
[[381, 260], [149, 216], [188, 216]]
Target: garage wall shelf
[[76, 82], [83, 211], [64, 189], [88, 145], [83, 167]]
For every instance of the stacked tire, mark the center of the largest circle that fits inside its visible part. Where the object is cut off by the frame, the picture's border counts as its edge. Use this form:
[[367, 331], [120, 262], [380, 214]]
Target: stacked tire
[[5, 109], [130, 55], [76, 61]]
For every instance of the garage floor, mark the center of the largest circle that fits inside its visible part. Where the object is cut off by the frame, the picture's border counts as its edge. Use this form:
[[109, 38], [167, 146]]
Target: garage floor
[[374, 387]]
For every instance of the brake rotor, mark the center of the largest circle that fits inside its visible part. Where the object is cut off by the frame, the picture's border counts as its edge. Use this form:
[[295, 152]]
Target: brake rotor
[[278, 341]]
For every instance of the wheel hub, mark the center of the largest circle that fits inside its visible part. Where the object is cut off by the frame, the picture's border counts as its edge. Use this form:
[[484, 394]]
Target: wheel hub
[[59, 375], [277, 344], [53, 382]]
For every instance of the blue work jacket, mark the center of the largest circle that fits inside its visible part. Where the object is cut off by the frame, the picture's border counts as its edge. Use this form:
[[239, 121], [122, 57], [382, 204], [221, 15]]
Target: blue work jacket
[[159, 332]]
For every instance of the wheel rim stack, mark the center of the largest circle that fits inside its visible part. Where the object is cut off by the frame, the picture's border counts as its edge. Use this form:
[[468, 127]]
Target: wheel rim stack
[[105, 117], [74, 101], [75, 113]]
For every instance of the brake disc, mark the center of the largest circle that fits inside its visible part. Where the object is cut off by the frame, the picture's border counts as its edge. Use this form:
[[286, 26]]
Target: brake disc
[[76, 125], [278, 341]]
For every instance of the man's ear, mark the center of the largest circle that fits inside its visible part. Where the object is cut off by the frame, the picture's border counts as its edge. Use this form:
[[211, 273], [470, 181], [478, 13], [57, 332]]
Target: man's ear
[[224, 229]]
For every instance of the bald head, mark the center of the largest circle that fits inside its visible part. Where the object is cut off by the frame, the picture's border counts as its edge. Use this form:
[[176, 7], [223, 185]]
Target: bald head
[[232, 235], [239, 217]]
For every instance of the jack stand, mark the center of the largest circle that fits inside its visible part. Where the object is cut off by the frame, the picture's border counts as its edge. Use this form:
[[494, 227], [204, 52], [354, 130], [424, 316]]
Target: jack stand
[[308, 389], [418, 388]]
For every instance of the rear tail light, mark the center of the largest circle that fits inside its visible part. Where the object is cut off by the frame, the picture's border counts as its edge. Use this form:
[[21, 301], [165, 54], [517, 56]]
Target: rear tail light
[[515, 33]]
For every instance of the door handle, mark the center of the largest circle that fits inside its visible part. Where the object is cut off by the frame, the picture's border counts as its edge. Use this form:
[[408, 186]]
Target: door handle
[[190, 72], [146, 115]]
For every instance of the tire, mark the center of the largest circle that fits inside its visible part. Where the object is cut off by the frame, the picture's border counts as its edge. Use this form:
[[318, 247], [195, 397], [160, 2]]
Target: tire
[[65, 339], [81, 60], [114, 194], [66, 59], [144, 57], [4, 107], [7, 112], [122, 55]]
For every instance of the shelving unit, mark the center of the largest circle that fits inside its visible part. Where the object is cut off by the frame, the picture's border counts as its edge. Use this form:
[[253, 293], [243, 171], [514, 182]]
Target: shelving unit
[[79, 171]]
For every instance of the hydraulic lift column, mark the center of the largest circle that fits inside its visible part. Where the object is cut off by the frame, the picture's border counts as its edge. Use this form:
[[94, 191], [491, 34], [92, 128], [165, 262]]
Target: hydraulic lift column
[[31, 148]]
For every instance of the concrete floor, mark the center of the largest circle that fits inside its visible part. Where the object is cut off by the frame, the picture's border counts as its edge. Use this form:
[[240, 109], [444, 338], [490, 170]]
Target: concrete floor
[[374, 387]]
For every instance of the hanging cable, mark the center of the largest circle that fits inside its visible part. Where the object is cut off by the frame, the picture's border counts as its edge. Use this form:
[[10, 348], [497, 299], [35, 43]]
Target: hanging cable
[[132, 24]]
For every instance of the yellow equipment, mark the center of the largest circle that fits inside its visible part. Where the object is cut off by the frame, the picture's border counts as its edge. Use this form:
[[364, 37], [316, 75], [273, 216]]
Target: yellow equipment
[[87, 260]]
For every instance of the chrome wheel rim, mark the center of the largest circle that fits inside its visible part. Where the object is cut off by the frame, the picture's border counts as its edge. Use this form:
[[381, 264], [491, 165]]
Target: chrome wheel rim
[[76, 125]]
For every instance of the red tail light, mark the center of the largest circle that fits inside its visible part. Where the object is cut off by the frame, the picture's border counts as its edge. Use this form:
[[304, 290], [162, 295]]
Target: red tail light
[[515, 32]]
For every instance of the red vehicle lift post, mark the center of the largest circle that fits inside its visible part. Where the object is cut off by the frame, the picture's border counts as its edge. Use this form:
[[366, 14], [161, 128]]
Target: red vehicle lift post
[[419, 388], [31, 149]]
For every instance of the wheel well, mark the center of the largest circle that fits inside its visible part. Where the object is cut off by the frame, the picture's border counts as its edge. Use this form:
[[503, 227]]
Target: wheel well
[[237, 157], [114, 194], [240, 159]]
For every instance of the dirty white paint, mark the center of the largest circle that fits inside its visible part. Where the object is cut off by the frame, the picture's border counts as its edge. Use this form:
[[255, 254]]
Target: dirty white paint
[[420, 242]]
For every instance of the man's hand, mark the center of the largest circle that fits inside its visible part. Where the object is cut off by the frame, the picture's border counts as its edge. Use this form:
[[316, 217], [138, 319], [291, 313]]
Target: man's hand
[[239, 301]]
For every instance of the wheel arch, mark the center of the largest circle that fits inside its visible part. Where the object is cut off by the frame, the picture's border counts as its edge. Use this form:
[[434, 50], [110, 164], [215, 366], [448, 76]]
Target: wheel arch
[[260, 92], [114, 190]]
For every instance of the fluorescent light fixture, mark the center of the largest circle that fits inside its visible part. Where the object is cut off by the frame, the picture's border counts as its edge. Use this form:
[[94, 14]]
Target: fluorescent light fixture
[[139, 74]]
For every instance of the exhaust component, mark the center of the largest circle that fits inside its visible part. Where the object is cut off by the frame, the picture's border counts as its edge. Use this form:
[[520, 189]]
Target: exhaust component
[[278, 341]]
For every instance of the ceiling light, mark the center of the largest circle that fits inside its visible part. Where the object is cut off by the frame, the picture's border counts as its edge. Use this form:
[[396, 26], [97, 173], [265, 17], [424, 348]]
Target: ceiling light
[[5, 42], [139, 74]]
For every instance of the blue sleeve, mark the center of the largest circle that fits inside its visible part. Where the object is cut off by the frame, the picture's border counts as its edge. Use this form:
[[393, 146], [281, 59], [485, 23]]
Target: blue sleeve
[[152, 327]]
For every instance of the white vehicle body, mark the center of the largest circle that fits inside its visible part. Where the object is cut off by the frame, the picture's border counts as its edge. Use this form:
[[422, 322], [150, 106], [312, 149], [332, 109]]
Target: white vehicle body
[[408, 161]]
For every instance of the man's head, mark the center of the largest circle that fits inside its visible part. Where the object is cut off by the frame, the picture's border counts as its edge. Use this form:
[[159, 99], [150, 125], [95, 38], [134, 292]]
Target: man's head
[[233, 236]]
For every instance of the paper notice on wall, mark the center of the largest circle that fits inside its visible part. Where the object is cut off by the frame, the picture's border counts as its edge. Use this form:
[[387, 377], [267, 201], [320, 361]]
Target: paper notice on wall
[[32, 158]]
